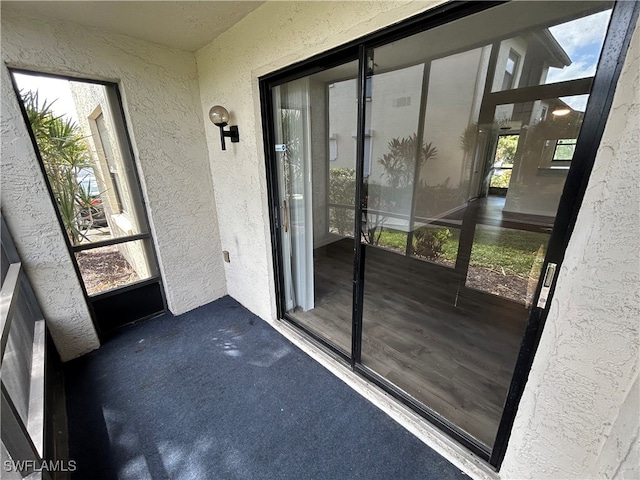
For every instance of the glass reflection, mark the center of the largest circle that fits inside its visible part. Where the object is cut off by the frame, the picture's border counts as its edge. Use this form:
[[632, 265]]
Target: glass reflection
[[461, 189], [315, 129], [113, 266], [562, 52]]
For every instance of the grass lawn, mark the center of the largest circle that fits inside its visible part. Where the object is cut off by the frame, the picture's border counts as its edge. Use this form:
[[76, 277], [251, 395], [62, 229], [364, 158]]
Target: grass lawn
[[510, 251]]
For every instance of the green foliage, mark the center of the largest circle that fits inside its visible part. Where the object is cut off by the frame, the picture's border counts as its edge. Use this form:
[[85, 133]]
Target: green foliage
[[434, 199], [64, 154], [429, 242], [506, 150], [401, 171], [501, 180], [393, 239], [510, 251], [400, 162], [342, 191]]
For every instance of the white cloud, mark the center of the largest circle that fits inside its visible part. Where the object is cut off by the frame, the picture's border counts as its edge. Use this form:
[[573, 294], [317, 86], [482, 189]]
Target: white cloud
[[577, 102], [578, 69], [582, 32]]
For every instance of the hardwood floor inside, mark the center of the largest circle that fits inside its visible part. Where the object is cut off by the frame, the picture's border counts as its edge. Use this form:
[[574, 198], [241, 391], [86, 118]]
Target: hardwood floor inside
[[449, 347]]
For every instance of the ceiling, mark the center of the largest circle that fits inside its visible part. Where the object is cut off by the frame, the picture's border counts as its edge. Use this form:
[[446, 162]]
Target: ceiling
[[186, 25]]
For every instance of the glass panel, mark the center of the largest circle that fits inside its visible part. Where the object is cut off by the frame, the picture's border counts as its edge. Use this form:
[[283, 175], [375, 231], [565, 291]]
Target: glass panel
[[542, 155], [461, 193], [436, 244], [563, 51], [315, 128], [17, 359], [507, 262], [106, 268], [81, 141]]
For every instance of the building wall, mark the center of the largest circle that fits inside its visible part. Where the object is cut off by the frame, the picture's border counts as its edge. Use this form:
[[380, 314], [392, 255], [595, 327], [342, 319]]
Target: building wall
[[162, 105], [579, 399]]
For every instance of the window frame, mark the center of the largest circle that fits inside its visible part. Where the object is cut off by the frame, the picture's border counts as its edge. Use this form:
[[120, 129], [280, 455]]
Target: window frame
[[151, 289]]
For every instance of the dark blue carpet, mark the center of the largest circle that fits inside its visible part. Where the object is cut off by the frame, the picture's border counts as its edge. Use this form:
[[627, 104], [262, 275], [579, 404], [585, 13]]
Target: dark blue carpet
[[219, 394]]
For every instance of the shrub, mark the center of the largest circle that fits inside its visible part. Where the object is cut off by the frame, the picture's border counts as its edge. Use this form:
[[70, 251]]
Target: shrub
[[342, 192], [429, 242]]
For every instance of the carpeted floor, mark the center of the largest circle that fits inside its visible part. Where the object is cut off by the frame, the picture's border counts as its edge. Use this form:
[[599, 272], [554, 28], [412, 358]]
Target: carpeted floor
[[219, 394]]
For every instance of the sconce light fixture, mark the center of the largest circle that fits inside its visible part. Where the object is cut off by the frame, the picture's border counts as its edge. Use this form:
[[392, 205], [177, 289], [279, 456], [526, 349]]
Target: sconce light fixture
[[220, 117], [561, 112]]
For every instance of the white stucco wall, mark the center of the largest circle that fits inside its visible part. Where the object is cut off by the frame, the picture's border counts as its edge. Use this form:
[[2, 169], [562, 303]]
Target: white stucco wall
[[31, 219], [273, 36], [578, 417], [162, 104]]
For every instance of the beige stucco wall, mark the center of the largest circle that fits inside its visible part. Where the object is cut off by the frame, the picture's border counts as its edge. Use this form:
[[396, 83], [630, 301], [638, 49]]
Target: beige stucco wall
[[162, 104]]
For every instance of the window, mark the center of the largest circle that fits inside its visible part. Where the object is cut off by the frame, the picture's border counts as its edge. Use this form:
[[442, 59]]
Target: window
[[402, 102], [92, 179], [110, 164], [333, 147], [565, 147], [510, 70], [435, 243]]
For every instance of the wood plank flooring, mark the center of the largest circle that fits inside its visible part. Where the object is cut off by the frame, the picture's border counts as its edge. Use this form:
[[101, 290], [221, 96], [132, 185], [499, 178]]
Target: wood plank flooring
[[451, 349]]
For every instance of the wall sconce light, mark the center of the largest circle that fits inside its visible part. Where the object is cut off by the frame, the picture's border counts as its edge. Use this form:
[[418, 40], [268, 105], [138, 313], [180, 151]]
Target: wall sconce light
[[220, 117], [561, 112]]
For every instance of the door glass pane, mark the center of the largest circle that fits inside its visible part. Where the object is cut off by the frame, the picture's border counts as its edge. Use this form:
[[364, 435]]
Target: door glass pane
[[83, 148], [315, 128], [570, 48], [113, 266], [465, 177]]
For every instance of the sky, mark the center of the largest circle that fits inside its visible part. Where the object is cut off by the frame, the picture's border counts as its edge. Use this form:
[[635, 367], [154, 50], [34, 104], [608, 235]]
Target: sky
[[50, 89], [582, 40]]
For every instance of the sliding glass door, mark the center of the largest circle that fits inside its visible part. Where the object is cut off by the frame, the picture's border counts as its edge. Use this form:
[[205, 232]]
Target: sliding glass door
[[451, 268], [314, 121], [415, 193]]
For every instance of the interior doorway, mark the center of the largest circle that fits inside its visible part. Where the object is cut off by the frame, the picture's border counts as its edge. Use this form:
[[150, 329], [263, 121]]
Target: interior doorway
[[502, 165]]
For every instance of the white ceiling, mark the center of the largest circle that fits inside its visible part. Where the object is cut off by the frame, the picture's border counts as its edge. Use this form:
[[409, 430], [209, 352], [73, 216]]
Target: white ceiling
[[186, 25]]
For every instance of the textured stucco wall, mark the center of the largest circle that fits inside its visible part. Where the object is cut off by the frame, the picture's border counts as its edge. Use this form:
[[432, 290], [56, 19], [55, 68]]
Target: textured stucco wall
[[578, 417], [31, 219], [161, 99], [273, 36]]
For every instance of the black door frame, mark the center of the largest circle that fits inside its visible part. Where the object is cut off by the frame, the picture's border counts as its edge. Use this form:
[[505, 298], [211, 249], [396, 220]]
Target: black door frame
[[616, 43], [133, 302]]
